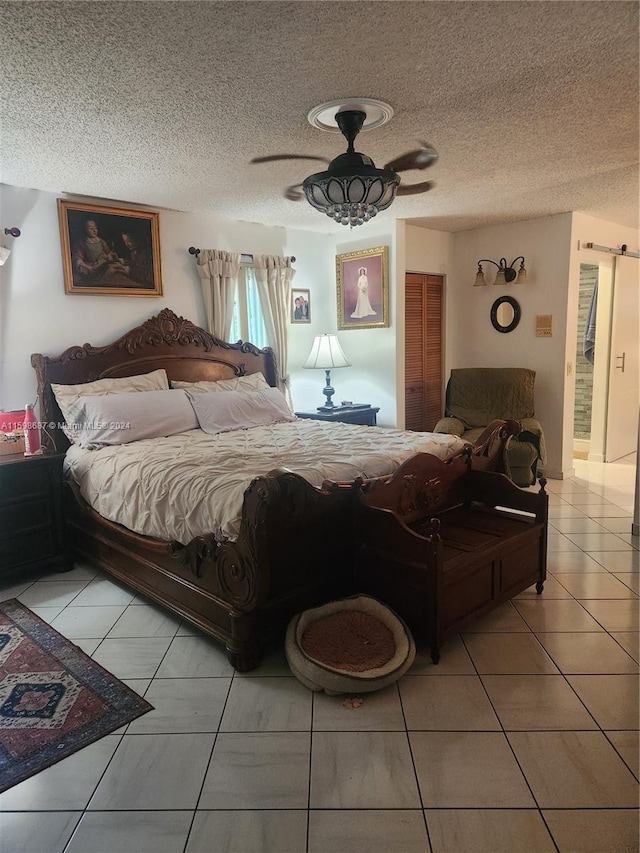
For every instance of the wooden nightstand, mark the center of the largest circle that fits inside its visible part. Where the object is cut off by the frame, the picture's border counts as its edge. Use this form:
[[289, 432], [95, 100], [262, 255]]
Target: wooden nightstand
[[31, 530], [362, 414]]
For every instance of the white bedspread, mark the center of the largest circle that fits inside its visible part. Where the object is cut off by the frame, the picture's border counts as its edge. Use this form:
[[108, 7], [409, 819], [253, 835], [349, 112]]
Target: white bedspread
[[191, 484]]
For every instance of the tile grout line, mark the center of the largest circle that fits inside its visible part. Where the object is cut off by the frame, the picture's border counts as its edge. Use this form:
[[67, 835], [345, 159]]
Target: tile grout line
[[206, 770], [423, 808]]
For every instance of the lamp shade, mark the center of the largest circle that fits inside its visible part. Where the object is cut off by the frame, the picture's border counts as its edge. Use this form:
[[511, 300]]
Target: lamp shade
[[480, 279], [326, 352]]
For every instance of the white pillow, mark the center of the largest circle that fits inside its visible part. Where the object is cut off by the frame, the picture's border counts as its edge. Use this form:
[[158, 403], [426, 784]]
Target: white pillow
[[68, 395], [111, 419], [251, 382], [224, 411]]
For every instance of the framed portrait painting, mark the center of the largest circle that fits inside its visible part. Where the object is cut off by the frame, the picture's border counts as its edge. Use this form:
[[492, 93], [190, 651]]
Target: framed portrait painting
[[363, 289], [300, 306], [109, 251]]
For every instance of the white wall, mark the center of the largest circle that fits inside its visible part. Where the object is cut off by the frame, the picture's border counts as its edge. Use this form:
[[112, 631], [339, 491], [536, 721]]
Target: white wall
[[553, 247], [428, 251], [372, 352], [37, 315], [473, 342]]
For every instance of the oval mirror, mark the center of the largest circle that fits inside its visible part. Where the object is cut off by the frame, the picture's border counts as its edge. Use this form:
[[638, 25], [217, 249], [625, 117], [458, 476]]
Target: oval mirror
[[505, 314]]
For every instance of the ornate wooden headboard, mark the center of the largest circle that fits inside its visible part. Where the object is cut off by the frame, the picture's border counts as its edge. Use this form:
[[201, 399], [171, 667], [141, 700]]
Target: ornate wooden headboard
[[187, 352]]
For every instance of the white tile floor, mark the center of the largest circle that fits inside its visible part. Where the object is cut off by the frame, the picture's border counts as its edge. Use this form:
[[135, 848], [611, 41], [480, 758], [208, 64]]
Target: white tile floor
[[524, 739]]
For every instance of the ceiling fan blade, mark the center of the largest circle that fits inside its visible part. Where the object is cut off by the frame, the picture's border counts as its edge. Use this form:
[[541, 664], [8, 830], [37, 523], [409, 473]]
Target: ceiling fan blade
[[271, 158], [413, 189], [294, 192], [421, 158]]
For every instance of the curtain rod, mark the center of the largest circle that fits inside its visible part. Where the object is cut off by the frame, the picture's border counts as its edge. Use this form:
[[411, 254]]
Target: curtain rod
[[617, 251], [196, 252]]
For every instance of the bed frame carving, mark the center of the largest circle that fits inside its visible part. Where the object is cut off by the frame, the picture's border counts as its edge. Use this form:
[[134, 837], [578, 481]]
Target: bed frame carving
[[295, 547], [184, 350]]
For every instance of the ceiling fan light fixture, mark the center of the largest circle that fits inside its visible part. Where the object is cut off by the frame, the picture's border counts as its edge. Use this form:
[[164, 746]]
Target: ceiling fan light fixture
[[354, 198], [352, 190]]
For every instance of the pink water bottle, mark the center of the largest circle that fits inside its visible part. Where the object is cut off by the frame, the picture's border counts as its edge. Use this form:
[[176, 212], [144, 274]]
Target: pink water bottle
[[32, 446]]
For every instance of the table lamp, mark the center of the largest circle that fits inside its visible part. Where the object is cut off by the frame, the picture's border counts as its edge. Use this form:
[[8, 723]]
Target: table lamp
[[326, 352]]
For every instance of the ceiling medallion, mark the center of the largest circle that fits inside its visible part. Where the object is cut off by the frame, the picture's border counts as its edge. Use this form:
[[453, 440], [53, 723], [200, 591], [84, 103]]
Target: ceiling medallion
[[376, 113]]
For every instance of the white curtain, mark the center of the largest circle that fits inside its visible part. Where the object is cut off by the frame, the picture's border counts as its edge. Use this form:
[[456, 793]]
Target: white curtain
[[273, 278], [218, 273]]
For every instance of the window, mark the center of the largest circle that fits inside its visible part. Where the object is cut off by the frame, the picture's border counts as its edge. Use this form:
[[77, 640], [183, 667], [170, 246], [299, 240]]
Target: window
[[248, 322]]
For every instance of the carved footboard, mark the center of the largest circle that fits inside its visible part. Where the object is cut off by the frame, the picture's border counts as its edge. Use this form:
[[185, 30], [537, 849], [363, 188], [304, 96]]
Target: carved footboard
[[489, 453], [293, 551]]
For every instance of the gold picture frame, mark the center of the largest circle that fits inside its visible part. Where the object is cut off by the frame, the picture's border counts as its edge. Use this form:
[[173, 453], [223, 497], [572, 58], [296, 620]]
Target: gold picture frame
[[109, 251], [363, 289]]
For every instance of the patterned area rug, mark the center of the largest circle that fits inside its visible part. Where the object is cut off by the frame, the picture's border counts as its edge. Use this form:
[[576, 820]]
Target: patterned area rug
[[53, 698]]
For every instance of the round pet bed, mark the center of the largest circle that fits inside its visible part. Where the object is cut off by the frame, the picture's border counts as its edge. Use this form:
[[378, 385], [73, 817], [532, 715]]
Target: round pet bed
[[354, 645]]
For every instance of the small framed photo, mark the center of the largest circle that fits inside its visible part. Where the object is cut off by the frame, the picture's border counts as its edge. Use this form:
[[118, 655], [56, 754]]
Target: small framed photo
[[109, 251], [300, 306], [363, 289]]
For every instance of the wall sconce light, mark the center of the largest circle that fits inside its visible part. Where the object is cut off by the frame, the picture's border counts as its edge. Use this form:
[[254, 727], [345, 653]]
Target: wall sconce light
[[506, 272]]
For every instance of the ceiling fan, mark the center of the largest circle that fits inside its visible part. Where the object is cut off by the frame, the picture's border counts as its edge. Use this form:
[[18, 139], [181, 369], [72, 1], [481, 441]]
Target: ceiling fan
[[352, 190]]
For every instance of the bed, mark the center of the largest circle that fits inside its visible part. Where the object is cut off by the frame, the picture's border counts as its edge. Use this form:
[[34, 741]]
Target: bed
[[290, 545]]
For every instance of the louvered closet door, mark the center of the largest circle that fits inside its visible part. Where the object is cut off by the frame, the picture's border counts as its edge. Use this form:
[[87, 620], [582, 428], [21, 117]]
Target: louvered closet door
[[423, 351]]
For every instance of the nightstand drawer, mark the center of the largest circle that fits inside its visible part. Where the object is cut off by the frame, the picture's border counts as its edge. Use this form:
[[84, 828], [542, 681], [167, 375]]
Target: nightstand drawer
[[24, 480], [31, 527], [22, 517], [27, 548], [363, 415]]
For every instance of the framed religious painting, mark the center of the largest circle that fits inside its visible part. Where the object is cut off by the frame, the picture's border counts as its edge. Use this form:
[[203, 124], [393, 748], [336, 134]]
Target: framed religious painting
[[109, 251], [300, 306], [363, 289]]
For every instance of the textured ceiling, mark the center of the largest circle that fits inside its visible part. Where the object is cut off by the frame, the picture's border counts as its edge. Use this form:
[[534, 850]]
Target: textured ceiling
[[533, 106]]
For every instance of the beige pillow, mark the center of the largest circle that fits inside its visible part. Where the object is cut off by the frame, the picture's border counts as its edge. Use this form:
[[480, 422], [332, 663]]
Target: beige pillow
[[68, 395], [231, 410], [251, 382], [108, 419]]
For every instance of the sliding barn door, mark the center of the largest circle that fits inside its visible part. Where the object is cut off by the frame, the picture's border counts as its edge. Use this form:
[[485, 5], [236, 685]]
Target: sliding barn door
[[622, 402], [423, 320]]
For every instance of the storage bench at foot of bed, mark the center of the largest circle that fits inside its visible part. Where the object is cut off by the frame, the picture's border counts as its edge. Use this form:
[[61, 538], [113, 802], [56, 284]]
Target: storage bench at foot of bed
[[439, 566]]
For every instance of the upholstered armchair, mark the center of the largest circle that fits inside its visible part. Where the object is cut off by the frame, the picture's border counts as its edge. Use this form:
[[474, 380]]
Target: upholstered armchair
[[478, 395]]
